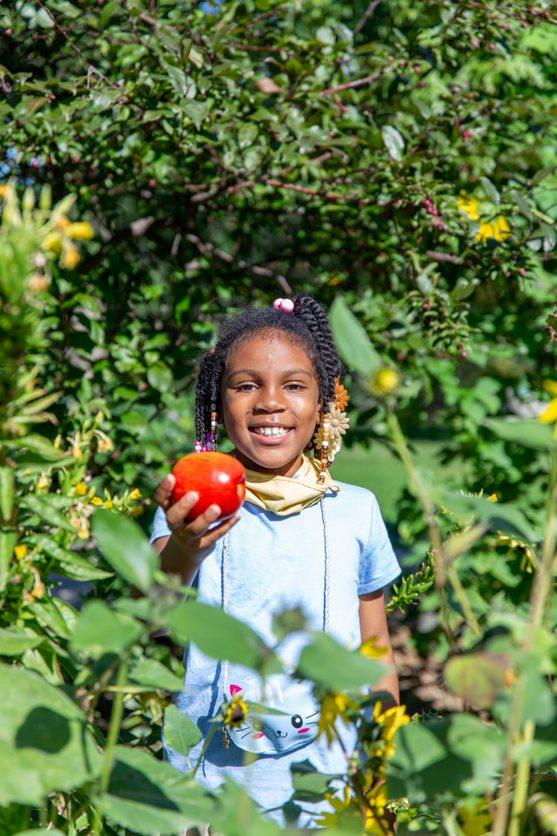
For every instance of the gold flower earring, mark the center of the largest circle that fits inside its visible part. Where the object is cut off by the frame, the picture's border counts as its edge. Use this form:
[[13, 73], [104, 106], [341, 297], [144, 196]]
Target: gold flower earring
[[333, 425]]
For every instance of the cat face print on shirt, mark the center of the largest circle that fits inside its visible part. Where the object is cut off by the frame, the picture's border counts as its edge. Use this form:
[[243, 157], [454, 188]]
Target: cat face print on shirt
[[295, 726]]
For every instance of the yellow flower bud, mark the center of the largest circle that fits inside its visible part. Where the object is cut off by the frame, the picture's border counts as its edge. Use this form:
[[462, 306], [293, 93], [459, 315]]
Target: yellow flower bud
[[493, 498], [385, 382], [20, 551], [83, 533], [96, 501], [53, 242], [81, 488], [5, 190], [135, 494], [44, 482], [70, 258], [80, 231], [63, 222], [108, 504], [104, 445]]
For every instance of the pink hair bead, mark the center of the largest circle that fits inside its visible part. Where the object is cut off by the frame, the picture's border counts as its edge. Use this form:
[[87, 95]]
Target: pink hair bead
[[286, 305]]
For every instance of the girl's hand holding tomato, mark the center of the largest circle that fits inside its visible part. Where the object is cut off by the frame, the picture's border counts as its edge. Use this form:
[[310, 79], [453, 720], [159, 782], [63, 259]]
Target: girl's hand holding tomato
[[218, 483]]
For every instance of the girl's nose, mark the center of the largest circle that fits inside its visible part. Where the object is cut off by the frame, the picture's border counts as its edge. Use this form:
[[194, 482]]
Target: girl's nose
[[269, 400]]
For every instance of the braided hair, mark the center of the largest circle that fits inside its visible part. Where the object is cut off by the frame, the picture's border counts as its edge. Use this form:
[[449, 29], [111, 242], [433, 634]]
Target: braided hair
[[307, 325]]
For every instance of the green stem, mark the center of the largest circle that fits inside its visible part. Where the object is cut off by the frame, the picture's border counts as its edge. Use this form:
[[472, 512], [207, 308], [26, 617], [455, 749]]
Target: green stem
[[206, 745], [520, 796], [114, 727], [437, 547], [539, 599]]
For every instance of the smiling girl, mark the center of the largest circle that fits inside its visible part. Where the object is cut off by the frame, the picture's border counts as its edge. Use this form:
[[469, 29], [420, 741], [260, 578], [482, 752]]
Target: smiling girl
[[300, 540]]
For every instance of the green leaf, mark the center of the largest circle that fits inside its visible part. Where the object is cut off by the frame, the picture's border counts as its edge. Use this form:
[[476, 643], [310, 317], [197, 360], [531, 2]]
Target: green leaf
[[216, 633], [334, 667], [160, 377], [477, 677], [101, 630], [352, 340], [309, 784], [126, 548], [44, 739], [490, 190], [71, 564], [149, 796], [7, 543], [6, 493], [180, 733], [14, 641], [44, 507], [156, 675], [394, 142], [498, 515], [440, 759], [528, 432], [40, 445]]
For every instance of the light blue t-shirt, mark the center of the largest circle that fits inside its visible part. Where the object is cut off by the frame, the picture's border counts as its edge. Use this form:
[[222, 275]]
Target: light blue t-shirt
[[276, 563]]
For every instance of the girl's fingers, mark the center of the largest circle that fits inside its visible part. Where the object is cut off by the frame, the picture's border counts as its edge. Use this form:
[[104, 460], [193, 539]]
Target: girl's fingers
[[219, 531], [177, 513], [200, 524], [164, 490]]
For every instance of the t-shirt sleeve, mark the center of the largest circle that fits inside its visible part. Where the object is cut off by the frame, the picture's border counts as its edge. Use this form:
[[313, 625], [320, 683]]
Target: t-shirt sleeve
[[378, 564], [160, 526]]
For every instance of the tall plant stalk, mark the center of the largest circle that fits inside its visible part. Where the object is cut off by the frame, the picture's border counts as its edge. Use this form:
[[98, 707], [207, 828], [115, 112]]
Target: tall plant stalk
[[539, 599], [443, 570]]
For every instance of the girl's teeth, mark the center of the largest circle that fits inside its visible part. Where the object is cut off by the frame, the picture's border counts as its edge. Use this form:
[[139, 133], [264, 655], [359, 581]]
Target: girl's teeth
[[271, 430]]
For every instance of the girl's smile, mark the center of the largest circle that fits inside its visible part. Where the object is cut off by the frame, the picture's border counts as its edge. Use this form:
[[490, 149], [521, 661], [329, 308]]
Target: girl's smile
[[270, 402]]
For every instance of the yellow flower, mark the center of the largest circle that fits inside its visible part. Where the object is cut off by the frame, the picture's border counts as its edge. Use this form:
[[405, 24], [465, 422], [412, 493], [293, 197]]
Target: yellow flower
[[332, 707], [385, 382], [375, 813], [235, 711], [79, 231], [496, 230], [96, 500], [371, 649], [20, 551], [83, 532], [70, 258], [549, 415], [493, 498], [5, 190], [135, 494], [390, 722], [81, 488], [109, 504], [469, 206], [63, 222], [53, 242]]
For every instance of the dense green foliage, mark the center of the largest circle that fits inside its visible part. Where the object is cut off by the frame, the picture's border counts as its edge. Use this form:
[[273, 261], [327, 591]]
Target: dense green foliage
[[394, 159]]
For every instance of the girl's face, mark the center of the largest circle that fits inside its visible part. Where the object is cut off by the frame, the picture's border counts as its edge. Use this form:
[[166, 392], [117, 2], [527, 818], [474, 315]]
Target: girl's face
[[270, 402]]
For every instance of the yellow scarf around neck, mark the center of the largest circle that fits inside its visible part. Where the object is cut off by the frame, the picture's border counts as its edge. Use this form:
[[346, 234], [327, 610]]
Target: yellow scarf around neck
[[286, 495]]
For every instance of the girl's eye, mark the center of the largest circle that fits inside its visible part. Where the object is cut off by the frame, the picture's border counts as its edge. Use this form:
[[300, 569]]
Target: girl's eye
[[245, 387], [295, 386]]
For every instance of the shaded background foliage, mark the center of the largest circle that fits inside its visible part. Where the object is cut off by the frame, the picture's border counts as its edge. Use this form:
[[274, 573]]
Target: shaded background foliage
[[231, 156]]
